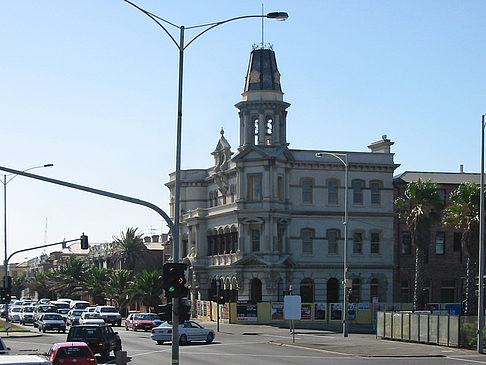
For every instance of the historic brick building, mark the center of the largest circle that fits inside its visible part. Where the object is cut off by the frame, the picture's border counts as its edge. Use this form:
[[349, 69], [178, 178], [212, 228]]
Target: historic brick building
[[445, 266]]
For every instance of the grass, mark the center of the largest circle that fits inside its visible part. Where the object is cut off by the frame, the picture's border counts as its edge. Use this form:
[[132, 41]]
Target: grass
[[14, 328]]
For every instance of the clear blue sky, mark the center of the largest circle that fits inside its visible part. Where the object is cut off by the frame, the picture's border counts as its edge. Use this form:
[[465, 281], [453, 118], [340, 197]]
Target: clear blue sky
[[91, 87]]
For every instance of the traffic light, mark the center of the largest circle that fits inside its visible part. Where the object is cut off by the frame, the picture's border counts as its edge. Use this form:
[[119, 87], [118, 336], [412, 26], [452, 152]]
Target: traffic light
[[5, 295], [174, 280], [84, 242], [222, 297], [164, 312], [184, 311]]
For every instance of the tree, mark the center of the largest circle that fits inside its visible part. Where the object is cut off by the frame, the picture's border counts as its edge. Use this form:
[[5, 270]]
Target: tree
[[463, 214], [129, 248], [67, 281], [421, 209], [119, 287], [95, 284], [147, 288], [19, 283], [41, 284]]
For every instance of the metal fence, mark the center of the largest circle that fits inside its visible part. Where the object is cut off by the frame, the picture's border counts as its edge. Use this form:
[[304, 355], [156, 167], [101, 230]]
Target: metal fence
[[425, 328]]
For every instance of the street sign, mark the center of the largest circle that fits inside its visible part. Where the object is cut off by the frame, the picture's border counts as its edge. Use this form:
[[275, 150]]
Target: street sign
[[292, 307]]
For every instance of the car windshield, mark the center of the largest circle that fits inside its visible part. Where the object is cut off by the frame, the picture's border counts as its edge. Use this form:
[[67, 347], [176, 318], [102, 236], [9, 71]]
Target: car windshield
[[63, 310], [143, 317], [28, 309], [109, 310], [16, 309], [75, 351], [55, 317], [48, 308], [92, 315], [77, 313], [84, 332]]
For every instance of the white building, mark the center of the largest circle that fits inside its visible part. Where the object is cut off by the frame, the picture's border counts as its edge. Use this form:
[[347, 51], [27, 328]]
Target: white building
[[267, 217]]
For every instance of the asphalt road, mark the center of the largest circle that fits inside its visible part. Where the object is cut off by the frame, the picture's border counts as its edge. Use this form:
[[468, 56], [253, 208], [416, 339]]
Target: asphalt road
[[263, 345]]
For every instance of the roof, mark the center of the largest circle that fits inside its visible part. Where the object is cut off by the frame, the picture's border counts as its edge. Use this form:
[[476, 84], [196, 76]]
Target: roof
[[437, 177], [262, 71]]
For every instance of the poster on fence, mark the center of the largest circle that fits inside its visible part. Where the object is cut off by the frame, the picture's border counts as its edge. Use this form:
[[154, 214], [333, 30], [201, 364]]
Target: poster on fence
[[320, 311], [306, 312], [336, 311], [363, 306], [246, 311], [351, 311], [225, 311], [277, 311], [199, 309]]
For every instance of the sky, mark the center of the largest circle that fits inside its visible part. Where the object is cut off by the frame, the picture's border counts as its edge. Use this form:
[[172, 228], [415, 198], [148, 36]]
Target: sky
[[91, 87]]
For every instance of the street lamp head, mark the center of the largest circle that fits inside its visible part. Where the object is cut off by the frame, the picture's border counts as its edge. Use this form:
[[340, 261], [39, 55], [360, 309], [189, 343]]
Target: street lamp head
[[49, 165], [279, 15]]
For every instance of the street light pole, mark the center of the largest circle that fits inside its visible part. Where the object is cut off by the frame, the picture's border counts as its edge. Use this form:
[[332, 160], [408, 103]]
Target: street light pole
[[345, 245], [5, 262], [481, 246], [181, 47]]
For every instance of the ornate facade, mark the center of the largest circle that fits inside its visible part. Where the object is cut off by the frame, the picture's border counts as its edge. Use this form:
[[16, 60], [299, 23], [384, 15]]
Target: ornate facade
[[267, 217]]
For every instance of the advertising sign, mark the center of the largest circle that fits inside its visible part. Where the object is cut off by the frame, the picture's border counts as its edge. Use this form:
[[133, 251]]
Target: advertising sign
[[306, 312], [277, 311], [320, 311], [246, 311], [336, 311]]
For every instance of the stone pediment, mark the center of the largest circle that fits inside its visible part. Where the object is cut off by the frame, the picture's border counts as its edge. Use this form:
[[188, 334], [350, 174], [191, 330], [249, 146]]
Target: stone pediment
[[255, 260], [258, 153]]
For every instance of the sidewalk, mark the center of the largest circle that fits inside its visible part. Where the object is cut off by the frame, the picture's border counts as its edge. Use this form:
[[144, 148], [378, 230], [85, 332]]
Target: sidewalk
[[20, 334], [360, 345]]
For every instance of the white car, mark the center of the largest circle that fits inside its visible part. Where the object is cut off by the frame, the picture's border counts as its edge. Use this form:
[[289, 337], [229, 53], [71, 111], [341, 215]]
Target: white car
[[91, 318], [14, 313], [110, 314], [189, 331]]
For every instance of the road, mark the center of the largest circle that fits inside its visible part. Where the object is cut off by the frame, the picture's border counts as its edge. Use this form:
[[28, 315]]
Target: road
[[263, 345]]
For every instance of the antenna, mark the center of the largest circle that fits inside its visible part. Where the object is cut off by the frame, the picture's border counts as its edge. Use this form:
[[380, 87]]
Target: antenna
[[263, 29], [45, 233]]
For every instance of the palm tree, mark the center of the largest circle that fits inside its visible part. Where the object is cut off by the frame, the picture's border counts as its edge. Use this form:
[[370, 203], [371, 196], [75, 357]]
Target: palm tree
[[95, 284], [129, 248], [119, 287], [19, 283], [463, 214], [147, 288], [41, 284], [67, 281], [421, 209]]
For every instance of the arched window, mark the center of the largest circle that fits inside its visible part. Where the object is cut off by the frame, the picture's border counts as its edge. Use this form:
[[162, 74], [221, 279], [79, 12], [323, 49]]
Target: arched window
[[307, 290], [332, 290], [355, 291], [255, 290], [268, 132]]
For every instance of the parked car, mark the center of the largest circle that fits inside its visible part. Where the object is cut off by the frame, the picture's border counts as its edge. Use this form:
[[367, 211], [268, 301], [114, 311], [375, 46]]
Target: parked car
[[51, 321], [189, 331], [70, 353], [73, 317], [14, 313], [79, 304], [60, 304], [27, 315], [43, 308], [110, 314], [3, 348], [101, 339], [91, 318], [142, 321], [90, 309]]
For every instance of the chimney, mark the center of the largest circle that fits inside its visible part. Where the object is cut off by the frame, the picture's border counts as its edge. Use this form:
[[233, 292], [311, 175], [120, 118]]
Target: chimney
[[155, 238], [461, 168], [381, 146], [146, 239]]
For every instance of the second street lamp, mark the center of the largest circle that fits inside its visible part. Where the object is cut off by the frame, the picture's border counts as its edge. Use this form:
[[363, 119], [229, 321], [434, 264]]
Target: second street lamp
[[181, 46]]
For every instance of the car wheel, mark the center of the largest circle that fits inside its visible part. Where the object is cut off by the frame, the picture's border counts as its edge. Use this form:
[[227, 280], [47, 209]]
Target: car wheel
[[39, 329], [210, 337], [118, 323], [183, 340], [44, 330], [126, 328], [160, 342]]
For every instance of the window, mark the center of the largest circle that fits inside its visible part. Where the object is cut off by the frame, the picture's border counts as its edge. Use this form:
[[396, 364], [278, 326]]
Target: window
[[307, 191], [457, 241], [440, 243], [375, 187], [332, 192], [307, 241], [442, 195], [210, 199], [257, 125], [355, 291], [375, 243], [357, 243], [280, 188], [307, 290], [404, 292], [280, 236], [374, 289], [332, 238], [268, 132], [254, 187], [255, 240], [447, 291], [357, 191], [406, 243]]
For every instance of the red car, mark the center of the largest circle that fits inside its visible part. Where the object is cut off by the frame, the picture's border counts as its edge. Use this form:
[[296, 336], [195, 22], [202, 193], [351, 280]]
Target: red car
[[142, 321], [67, 353]]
